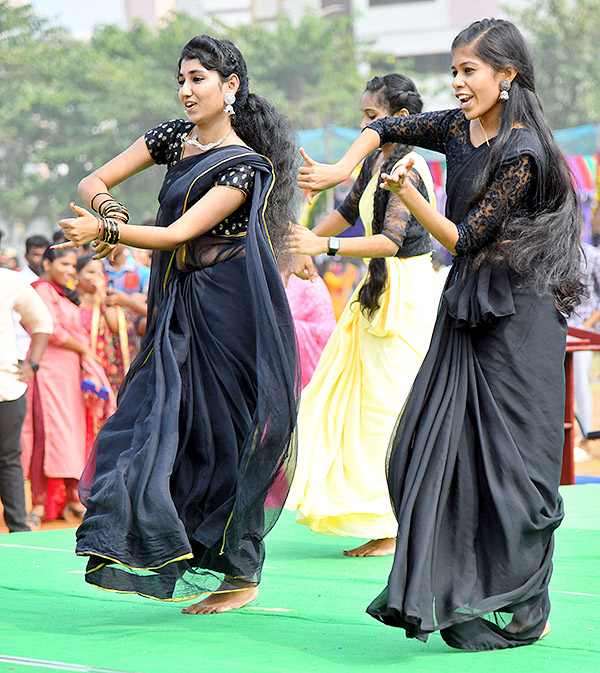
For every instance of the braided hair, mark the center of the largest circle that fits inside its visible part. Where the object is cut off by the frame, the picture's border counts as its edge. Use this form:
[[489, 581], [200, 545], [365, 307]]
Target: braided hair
[[260, 126], [394, 93]]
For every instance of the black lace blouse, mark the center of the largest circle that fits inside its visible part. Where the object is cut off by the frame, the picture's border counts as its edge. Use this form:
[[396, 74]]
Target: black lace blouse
[[166, 142], [509, 193], [399, 225]]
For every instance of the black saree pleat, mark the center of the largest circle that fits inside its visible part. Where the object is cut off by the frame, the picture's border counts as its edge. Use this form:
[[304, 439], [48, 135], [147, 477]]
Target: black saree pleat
[[191, 472]]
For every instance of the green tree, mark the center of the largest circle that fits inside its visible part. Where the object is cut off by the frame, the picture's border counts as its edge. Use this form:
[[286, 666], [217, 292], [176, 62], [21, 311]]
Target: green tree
[[565, 39], [68, 105]]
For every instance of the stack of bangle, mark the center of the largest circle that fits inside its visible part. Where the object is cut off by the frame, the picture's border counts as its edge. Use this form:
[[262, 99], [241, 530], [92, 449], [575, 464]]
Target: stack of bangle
[[114, 209], [110, 207], [108, 230]]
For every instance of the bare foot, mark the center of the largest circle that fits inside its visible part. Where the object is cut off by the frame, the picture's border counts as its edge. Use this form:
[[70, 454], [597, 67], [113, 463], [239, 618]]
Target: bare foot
[[223, 602], [546, 631], [384, 547]]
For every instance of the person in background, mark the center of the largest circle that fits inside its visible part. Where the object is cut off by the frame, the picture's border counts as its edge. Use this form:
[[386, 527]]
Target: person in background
[[17, 295], [314, 320], [99, 320], [35, 246], [127, 291], [586, 317], [348, 412], [54, 433], [12, 261]]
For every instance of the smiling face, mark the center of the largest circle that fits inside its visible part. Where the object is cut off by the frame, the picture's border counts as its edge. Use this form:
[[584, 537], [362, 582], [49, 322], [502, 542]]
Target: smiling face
[[202, 91], [476, 84], [60, 270]]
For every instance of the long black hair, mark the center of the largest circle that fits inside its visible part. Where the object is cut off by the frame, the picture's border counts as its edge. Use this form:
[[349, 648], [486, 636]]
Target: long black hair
[[394, 93], [51, 255], [547, 243], [260, 126]]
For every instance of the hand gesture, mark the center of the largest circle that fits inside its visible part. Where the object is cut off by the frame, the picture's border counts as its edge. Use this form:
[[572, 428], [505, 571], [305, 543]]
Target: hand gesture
[[79, 230], [102, 249], [116, 297], [316, 176], [305, 242], [303, 267], [397, 182]]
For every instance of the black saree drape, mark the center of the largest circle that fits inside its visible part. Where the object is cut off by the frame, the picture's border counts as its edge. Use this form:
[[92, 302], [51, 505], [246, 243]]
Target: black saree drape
[[474, 463], [179, 489]]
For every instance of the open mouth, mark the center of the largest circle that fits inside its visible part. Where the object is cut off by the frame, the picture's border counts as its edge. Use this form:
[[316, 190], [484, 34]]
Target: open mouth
[[464, 99]]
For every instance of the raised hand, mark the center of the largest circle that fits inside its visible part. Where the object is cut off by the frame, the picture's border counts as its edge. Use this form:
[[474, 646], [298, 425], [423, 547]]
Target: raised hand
[[316, 176], [396, 182], [79, 230]]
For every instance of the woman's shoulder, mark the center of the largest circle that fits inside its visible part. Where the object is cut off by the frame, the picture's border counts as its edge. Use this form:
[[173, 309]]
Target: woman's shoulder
[[167, 137], [523, 141], [172, 126]]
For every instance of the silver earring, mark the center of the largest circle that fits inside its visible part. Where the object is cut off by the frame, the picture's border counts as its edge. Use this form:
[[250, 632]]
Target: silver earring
[[229, 99], [504, 89]]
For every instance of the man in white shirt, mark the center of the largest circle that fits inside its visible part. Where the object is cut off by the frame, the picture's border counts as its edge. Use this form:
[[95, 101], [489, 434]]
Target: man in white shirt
[[17, 294], [35, 247]]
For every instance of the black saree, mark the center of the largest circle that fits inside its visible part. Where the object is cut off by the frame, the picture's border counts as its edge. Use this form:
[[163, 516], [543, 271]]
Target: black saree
[[179, 490], [474, 462]]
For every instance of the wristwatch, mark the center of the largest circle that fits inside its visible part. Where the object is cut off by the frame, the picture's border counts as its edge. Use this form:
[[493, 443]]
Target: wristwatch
[[333, 245], [34, 365]]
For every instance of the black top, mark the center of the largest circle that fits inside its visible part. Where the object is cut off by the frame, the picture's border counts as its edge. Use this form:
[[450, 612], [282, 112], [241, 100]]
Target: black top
[[399, 225], [166, 142], [509, 194]]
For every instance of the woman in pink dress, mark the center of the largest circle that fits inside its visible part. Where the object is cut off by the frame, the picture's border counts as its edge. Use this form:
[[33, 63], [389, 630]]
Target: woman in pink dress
[[54, 432], [314, 320]]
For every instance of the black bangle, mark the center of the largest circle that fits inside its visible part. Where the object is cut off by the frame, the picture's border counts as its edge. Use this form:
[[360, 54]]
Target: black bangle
[[95, 195], [34, 365]]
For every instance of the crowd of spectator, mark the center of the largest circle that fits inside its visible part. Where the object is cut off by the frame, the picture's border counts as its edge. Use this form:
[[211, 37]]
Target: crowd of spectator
[[70, 326]]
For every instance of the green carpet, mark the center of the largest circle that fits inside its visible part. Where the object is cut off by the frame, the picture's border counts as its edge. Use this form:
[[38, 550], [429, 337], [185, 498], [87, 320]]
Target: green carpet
[[310, 615]]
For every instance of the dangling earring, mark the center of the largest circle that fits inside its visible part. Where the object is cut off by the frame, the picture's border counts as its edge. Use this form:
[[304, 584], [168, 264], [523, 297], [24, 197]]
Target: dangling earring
[[504, 89], [229, 99]]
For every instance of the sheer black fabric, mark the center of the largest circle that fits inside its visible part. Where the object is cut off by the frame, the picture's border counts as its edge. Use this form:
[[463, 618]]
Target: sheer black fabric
[[474, 463], [399, 225], [192, 470]]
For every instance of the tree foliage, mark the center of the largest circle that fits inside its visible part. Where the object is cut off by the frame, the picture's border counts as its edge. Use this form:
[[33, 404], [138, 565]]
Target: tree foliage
[[68, 106], [565, 39]]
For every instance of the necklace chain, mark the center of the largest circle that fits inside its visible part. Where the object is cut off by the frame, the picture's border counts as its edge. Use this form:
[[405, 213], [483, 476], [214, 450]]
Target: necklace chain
[[487, 142], [209, 146]]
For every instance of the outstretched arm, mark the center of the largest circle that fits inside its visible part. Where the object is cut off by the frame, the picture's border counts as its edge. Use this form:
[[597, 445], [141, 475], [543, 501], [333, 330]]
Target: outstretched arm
[[212, 208], [316, 176]]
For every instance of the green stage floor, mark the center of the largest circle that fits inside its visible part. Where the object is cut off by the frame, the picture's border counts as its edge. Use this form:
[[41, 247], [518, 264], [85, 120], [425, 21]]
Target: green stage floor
[[310, 615]]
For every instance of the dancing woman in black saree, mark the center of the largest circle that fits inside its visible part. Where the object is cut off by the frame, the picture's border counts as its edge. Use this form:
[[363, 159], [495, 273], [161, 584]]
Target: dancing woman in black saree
[[176, 488], [475, 460]]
